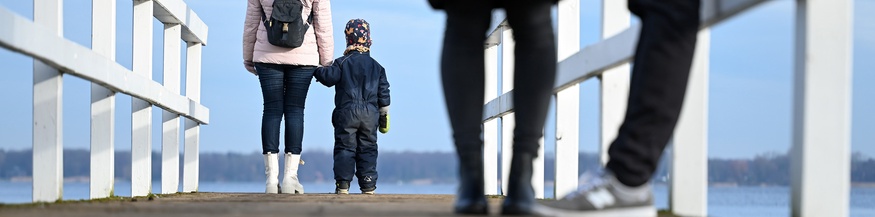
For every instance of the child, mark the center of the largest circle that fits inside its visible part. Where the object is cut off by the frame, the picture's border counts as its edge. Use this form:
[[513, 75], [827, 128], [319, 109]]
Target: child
[[361, 100]]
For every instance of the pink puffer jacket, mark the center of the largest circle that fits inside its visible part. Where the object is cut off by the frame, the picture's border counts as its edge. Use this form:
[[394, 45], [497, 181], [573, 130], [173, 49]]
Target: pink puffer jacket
[[318, 47]]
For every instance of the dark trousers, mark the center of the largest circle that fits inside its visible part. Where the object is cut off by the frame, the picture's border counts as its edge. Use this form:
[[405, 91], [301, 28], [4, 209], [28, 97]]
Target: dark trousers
[[355, 145], [284, 88], [659, 81], [462, 70]]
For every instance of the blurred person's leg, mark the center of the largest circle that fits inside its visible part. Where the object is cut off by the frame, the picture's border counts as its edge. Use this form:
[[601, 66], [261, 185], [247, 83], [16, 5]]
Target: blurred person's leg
[[661, 68], [534, 76], [462, 73], [659, 81]]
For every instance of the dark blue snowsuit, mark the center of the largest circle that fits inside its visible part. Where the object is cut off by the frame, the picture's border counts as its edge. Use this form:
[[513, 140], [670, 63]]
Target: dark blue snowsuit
[[361, 89]]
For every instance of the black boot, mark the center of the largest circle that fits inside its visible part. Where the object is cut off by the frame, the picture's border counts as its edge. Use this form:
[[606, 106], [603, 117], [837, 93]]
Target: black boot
[[471, 198], [520, 198]]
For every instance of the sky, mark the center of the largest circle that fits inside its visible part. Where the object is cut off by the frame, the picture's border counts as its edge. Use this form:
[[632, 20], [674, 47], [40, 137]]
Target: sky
[[750, 95]]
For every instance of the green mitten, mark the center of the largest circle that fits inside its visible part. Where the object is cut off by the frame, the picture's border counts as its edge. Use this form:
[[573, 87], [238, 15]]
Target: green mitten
[[384, 123]]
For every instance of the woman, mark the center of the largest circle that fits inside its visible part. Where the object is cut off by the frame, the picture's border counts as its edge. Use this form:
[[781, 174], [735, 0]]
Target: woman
[[285, 75]]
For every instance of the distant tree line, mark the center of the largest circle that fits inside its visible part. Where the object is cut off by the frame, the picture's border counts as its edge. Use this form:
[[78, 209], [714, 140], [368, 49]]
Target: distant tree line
[[434, 167]]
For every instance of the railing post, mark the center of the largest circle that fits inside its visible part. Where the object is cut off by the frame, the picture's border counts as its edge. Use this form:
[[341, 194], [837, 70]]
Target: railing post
[[192, 128], [103, 40], [141, 123], [820, 168], [689, 172], [490, 128], [567, 104], [507, 121], [615, 81], [538, 171], [48, 86], [170, 138]]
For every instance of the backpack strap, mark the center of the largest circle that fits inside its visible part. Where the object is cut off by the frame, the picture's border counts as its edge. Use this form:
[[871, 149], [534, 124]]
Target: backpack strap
[[263, 14], [310, 18]]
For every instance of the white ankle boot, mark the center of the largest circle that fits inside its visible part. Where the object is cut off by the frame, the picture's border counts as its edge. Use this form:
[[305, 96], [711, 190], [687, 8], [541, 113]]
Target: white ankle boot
[[291, 185], [271, 171]]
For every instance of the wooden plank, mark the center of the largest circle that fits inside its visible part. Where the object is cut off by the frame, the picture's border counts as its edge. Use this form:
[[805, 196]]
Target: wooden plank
[[689, 168], [567, 140], [821, 152], [191, 168], [48, 126], [141, 117], [614, 87], [490, 128], [103, 41], [177, 12], [170, 125]]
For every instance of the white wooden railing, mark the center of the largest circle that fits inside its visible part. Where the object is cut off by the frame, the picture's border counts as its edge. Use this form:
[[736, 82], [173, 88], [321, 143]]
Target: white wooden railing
[[821, 144], [54, 56]]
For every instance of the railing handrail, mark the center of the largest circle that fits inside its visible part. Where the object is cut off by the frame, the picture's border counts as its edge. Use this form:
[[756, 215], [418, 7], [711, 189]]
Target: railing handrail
[[176, 11], [594, 59], [21, 35]]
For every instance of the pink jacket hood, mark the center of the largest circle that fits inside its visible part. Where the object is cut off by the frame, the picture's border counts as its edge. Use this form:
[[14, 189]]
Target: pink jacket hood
[[318, 44]]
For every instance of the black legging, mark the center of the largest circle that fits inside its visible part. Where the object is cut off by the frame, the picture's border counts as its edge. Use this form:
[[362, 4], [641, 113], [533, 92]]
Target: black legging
[[659, 81], [462, 69]]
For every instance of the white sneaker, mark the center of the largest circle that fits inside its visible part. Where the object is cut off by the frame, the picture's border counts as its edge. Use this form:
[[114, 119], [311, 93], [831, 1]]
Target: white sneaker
[[603, 196]]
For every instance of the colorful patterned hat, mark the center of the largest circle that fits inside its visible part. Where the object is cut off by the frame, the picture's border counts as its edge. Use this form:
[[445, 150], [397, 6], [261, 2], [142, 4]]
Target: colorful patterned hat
[[358, 33]]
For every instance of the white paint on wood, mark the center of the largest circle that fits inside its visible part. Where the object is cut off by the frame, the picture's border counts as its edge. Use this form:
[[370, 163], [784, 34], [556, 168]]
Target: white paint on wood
[[177, 12], [688, 195], [192, 129], [48, 85], [170, 126], [490, 128], [508, 122], [567, 143], [141, 117], [103, 40], [592, 60], [191, 157], [538, 170], [820, 168], [614, 81], [21, 35]]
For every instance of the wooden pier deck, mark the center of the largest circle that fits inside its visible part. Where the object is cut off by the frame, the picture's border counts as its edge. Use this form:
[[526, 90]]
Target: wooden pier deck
[[249, 205]]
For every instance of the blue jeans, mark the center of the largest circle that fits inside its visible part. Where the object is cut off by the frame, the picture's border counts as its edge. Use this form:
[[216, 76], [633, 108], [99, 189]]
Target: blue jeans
[[284, 88]]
